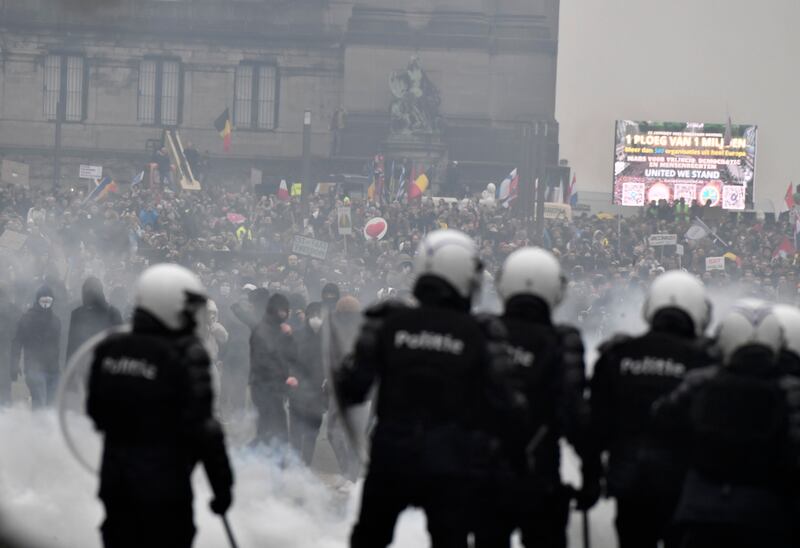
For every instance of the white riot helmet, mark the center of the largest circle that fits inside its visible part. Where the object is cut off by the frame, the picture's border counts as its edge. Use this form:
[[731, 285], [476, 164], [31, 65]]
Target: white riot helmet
[[681, 290], [532, 271], [451, 256], [750, 322], [172, 294], [789, 317]]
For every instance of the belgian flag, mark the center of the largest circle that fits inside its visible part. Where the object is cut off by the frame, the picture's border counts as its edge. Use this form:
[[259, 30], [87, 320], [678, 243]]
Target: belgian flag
[[223, 126]]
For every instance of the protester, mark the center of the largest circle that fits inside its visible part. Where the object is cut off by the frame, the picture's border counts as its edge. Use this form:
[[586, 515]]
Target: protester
[[37, 340], [307, 401], [273, 355], [92, 317]]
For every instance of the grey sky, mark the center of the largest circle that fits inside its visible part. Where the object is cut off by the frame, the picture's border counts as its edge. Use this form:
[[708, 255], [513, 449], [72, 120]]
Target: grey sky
[[676, 60]]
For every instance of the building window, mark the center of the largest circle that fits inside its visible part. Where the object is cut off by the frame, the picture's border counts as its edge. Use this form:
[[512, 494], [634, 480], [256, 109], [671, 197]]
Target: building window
[[160, 92], [255, 96], [65, 82]]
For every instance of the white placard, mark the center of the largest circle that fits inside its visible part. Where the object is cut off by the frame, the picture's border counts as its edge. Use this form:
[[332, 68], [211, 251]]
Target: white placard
[[715, 263], [90, 172], [309, 246], [657, 240]]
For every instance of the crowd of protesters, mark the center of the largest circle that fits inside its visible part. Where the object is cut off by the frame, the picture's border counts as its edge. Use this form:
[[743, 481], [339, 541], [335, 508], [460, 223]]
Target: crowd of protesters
[[71, 252]]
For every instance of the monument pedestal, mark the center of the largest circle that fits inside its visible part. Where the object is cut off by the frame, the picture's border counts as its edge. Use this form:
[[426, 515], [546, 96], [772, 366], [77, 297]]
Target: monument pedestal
[[422, 150]]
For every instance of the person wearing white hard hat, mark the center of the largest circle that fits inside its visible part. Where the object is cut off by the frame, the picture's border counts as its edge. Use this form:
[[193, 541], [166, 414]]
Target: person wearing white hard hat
[[644, 473], [150, 394], [438, 384], [548, 366], [733, 422]]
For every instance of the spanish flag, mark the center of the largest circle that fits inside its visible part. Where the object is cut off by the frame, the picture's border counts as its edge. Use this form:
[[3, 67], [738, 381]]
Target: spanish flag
[[419, 187], [223, 126]]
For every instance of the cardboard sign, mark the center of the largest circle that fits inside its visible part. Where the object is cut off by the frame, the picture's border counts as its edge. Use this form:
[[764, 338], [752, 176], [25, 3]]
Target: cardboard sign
[[317, 249], [715, 263], [658, 240], [679, 249], [90, 172], [344, 221], [557, 211]]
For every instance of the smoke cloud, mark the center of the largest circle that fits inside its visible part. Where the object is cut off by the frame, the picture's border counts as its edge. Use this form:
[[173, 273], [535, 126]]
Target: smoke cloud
[[50, 501]]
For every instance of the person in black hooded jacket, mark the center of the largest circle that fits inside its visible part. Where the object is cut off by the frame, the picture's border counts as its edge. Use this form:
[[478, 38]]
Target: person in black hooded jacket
[[272, 356], [94, 316], [307, 398], [37, 340]]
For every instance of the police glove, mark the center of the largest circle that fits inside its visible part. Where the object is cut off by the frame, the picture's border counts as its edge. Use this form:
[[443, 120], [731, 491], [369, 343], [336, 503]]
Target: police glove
[[221, 502]]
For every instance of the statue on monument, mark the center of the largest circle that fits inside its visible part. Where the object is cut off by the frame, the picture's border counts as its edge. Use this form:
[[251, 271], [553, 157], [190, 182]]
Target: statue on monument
[[415, 107]]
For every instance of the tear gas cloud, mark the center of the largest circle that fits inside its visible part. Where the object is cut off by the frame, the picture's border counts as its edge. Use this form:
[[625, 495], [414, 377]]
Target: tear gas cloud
[[275, 505], [50, 501]]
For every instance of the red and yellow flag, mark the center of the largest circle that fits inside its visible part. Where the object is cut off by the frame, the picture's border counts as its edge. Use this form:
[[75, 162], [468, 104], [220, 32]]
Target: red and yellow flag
[[224, 127]]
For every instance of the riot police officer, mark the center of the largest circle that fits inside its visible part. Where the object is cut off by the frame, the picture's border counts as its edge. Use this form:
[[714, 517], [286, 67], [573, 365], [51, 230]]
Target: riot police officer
[[734, 422], [548, 368], [645, 473], [150, 394], [789, 317], [434, 365]]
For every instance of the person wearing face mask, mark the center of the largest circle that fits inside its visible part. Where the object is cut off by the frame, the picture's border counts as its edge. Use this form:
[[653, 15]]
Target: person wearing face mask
[[150, 394], [37, 340], [273, 355], [307, 400]]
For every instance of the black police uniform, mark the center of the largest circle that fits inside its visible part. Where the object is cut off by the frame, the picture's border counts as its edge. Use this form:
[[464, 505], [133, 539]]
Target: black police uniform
[[434, 365], [548, 368], [735, 423], [790, 383], [150, 394], [645, 472]]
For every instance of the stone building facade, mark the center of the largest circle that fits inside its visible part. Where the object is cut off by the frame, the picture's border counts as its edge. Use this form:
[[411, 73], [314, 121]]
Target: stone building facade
[[123, 70]]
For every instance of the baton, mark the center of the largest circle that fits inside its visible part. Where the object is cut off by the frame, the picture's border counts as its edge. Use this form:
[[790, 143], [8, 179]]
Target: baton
[[228, 531]]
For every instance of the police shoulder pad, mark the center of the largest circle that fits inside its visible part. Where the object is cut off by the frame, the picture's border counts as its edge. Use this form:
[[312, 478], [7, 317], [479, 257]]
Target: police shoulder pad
[[613, 343], [193, 350], [385, 309], [492, 326]]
